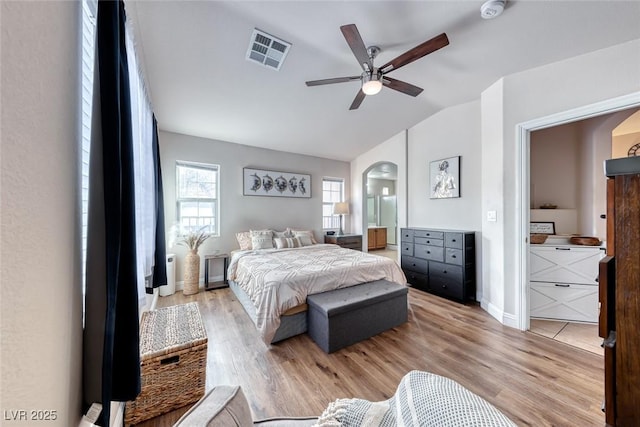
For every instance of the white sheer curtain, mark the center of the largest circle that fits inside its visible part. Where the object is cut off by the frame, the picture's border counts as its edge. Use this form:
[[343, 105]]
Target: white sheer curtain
[[145, 193]]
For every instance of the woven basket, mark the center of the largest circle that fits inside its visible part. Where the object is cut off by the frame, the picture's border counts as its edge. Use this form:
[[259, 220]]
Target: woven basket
[[191, 273], [538, 239], [586, 241], [173, 361]]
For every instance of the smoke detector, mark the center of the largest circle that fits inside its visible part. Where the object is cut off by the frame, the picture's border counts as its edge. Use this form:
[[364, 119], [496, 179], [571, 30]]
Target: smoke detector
[[492, 9]]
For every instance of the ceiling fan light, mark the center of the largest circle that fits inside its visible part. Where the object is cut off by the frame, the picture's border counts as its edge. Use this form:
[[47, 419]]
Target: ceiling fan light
[[372, 87], [371, 83]]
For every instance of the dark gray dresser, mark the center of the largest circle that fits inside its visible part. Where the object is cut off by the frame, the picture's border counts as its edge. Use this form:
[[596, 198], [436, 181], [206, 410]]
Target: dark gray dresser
[[440, 261]]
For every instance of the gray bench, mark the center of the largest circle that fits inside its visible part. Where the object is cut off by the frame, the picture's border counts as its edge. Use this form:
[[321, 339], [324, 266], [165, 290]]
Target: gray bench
[[346, 316]]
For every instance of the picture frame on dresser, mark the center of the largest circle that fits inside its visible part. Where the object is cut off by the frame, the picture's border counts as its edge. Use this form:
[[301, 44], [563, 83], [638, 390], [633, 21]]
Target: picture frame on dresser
[[444, 178], [262, 182]]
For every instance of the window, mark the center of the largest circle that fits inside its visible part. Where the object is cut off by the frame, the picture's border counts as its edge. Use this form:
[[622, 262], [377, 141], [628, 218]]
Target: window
[[197, 199], [332, 192]]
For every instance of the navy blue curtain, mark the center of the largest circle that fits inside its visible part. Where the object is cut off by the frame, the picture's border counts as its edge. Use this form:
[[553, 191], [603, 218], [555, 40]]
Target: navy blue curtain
[[121, 354], [160, 265]]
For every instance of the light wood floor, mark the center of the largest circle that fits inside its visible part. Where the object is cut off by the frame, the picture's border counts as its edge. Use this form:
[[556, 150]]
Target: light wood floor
[[581, 335], [534, 380]]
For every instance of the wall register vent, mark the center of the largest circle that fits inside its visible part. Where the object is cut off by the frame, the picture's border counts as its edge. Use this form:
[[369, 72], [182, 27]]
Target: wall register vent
[[267, 50]]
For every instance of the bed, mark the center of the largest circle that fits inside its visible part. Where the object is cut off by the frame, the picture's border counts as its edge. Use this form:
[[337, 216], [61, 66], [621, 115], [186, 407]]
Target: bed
[[272, 284]]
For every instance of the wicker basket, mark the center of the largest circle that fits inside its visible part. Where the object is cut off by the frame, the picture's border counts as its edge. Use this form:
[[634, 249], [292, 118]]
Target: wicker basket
[[538, 239], [586, 241], [173, 357]]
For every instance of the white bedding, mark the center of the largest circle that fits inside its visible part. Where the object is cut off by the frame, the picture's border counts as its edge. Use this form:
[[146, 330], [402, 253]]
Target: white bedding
[[279, 279]]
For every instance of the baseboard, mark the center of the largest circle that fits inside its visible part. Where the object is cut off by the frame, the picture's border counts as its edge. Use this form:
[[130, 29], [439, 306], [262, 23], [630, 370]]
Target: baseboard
[[506, 319], [180, 283]]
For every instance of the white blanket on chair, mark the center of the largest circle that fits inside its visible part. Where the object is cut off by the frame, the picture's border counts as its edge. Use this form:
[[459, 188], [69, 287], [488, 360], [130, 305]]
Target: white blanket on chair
[[422, 399]]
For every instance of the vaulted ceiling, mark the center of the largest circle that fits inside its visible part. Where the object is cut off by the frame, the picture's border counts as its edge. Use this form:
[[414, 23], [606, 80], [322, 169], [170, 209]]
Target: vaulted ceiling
[[193, 55]]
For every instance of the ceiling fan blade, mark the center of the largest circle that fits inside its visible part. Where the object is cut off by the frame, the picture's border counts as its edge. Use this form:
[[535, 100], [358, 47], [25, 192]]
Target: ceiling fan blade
[[330, 81], [401, 86], [357, 100], [352, 35], [438, 42]]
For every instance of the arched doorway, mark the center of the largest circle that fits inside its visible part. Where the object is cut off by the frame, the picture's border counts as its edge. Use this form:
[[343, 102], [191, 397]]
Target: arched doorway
[[380, 206]]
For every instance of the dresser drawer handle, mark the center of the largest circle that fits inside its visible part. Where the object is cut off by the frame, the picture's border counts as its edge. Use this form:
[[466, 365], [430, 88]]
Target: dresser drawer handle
[[428, 252], [453, 240], [562, 285], [444, 271], [453, 256], [563, 249]]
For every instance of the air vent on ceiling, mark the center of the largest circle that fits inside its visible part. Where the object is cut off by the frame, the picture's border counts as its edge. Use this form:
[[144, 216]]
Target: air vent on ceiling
[[267, 50]]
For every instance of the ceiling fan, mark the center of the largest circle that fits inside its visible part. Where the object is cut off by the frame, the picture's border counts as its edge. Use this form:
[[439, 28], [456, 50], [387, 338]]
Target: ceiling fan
[[373, 78]]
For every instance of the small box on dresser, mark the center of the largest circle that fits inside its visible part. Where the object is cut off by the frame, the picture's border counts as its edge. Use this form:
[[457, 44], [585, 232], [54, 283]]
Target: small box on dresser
[[440, 261], [173, 361]]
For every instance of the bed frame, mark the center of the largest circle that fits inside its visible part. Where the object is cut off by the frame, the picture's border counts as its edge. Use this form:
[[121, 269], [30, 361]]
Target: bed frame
[[291, 324]]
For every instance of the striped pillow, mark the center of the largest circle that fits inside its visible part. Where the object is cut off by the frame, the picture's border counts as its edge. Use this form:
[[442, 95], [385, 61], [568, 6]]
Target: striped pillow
[[287, 242]]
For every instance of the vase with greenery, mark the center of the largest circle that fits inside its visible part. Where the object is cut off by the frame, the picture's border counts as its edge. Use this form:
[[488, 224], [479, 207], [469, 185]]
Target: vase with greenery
[[192, 240]]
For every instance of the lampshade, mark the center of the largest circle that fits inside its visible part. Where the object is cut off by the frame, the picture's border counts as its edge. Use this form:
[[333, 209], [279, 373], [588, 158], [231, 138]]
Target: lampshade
[[371, 83], [341, 208]]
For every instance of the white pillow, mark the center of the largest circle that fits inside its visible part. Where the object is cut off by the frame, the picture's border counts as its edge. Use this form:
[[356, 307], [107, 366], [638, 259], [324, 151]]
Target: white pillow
[[302, 234], [244, 240], [287, 242], [284, 233], [262, 239], [305, 239]]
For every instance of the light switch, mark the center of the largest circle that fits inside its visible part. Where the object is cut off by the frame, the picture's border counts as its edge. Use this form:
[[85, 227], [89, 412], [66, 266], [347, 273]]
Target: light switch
[[492, 216]]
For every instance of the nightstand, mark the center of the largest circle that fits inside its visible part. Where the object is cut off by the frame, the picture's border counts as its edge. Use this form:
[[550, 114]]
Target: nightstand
[[215, 285], [349, 241]]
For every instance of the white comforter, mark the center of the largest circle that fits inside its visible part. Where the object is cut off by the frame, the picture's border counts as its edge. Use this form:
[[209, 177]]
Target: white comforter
[[279, 279]]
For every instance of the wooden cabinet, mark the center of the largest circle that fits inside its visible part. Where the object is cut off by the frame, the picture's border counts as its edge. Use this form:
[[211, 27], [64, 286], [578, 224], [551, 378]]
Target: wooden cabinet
[[440, 261], [377, 238], [564, 282], [349, 241], [620, 293]]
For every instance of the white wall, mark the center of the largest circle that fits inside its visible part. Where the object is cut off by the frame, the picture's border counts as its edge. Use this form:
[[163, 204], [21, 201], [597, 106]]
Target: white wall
[[536, 93], [555, 165], [392, 150], [41, 308], [451, 132], [239, 212]]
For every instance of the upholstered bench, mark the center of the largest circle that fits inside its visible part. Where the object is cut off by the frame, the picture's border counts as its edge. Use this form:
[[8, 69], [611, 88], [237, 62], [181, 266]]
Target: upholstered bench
[[346, 316]]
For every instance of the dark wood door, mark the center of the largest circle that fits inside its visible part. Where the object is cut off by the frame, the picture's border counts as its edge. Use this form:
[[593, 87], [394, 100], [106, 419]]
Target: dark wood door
[[627, 297]]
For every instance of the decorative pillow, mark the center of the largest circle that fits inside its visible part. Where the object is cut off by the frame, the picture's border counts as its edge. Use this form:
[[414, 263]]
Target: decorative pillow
[[244, 240], [262, 239], [301, 233], [222, 406], [287, 242], [304, 239], [284, 233]]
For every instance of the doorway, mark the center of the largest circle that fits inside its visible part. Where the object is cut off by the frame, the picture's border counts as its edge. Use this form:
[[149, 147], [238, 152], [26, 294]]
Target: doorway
[[381, 208], [524, 192]]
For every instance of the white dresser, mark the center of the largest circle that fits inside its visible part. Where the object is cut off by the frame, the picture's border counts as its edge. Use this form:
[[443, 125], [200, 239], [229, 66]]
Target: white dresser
[[564, 282]]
